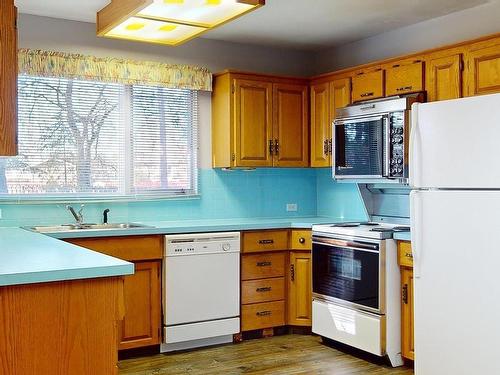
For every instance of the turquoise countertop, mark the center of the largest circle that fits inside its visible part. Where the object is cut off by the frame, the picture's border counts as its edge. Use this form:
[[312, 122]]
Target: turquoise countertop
[[402, 236], [27, 257], [193, 226]]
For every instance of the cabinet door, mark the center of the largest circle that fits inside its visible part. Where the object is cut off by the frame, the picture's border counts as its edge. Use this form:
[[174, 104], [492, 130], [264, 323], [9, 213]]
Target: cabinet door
[[253, 122], [483, 70], [8, 79], [290, 125], [407, 339], [368, 85], [404, 78], [142, 323], [299, 289], [444, 78], [320, 125], [340, 96]]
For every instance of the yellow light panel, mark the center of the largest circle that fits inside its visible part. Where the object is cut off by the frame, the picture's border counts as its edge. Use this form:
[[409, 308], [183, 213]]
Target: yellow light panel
[[153, 31], [205, 13]]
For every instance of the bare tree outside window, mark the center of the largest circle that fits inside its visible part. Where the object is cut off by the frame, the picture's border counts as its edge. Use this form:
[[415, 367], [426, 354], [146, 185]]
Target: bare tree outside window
[[84, 138]]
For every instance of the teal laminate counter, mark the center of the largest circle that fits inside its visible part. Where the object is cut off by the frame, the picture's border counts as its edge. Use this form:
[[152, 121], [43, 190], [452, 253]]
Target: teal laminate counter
[[27, 258], [402, 236], [198, 226]]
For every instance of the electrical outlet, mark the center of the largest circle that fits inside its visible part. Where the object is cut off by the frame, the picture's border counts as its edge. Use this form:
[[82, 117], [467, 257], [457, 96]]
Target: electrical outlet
[[291, 207]]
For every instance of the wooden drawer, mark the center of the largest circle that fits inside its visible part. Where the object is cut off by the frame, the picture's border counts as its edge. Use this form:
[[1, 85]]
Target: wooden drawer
[[268, 240], [264, 290], [260, 266], [131, 248], [262, 315], [404, 78], [368, 85], [405, 256], [301, 240]]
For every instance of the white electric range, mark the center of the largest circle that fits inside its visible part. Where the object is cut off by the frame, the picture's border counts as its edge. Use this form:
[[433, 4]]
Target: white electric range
[[356, 286]]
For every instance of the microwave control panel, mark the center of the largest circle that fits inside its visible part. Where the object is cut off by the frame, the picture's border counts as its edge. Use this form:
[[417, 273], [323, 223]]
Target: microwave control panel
[[397, 136]]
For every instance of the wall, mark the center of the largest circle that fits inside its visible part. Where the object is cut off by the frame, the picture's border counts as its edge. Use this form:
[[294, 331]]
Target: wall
[[80, 37], [452, 28], [236, 194]]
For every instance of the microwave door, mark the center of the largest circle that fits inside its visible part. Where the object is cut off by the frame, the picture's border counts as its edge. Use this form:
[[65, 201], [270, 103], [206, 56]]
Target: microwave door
[[359, 147]]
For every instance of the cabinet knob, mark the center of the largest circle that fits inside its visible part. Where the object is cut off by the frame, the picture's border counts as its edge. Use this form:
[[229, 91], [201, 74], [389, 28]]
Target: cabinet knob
[[302, 240]]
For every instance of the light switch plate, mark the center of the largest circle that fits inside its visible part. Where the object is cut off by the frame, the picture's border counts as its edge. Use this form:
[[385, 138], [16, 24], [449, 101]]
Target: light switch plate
[[291, 207]]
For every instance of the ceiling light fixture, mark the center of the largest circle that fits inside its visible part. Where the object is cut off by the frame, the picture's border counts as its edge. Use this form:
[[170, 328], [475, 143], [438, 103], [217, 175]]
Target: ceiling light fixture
[[170, 22]]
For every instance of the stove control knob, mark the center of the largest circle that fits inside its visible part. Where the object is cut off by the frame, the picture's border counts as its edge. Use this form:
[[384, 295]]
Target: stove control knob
[[226, 247]]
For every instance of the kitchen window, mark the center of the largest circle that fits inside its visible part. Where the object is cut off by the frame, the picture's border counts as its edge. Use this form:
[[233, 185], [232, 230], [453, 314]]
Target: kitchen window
[[91, 139]]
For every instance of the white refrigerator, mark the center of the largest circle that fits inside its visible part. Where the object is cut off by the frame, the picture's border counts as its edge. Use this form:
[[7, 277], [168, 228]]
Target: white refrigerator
[[455, 233]]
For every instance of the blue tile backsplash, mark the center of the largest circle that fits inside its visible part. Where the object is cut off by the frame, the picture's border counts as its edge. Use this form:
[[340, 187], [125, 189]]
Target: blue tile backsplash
[[223, 194]]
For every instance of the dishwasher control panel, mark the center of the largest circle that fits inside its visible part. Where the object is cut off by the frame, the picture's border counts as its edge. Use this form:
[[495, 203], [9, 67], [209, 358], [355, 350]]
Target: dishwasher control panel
[[202, 243]]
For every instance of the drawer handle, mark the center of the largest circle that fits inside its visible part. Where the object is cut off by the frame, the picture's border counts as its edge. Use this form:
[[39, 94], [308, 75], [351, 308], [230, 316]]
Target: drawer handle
[[302, 240], [405, 294], [263, 264], [367, 94], [263, 289], [263, 313], [266, 242], [404, 88], [409, 255]]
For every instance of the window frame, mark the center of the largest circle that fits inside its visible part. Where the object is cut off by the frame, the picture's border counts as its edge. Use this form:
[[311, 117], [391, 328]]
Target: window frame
[[125, 183]]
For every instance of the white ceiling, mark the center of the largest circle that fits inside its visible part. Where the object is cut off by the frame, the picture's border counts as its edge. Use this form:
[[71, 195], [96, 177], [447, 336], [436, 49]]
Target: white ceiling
[[301, 24]]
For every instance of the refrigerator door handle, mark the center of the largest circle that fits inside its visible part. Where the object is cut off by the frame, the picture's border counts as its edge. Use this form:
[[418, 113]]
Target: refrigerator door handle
[[414, 166], [415, 230]]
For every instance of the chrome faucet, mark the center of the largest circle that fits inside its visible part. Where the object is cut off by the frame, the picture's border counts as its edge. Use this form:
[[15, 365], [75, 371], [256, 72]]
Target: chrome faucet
[[78, 216]]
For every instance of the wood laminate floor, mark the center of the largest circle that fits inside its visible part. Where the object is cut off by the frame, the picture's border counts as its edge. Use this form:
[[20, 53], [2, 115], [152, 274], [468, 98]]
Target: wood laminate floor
[[289, 354]]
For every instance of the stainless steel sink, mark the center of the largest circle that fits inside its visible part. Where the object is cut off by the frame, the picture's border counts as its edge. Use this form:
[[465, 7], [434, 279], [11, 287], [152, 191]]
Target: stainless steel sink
[[85, 227]]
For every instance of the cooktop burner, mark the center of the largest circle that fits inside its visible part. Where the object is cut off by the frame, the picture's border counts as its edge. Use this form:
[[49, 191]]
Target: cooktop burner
[[353, 225], [346, 225], [393, 229]]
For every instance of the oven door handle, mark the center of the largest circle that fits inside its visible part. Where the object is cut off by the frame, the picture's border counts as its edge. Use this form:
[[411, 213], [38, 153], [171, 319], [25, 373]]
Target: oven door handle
[[372, 248]]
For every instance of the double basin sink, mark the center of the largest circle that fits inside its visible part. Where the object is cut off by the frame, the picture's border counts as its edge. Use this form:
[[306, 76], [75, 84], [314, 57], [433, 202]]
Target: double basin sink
[[85, 227]]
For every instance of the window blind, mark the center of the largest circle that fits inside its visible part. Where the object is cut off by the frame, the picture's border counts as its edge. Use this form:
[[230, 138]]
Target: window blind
[[91, 139]]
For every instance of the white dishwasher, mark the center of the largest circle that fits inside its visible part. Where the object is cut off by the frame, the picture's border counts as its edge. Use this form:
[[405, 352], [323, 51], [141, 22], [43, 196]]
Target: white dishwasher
[[201, 290]]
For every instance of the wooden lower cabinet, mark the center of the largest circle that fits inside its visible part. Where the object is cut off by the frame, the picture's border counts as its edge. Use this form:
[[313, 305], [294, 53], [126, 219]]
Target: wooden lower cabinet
[[405, 259], [63, 327], [142, 323], [300, 289], [407, 329]]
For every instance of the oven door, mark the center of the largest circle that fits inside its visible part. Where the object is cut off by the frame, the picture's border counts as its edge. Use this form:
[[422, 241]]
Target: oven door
[[349, 272], [361, 147]]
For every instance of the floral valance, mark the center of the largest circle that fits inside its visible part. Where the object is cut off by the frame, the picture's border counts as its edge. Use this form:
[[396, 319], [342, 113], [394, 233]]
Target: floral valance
[[60, 64]]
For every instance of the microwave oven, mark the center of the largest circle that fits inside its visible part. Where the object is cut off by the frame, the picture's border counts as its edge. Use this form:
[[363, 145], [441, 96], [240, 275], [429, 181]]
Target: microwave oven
[[371, 140]]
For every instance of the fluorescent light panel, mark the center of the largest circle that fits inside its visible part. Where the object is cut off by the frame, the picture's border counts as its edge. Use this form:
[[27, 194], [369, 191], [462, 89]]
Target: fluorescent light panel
[[170, 22]]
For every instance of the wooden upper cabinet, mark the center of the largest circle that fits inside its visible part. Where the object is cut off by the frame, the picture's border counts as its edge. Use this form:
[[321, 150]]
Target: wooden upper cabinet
[[290, 125], [368, 85], [444, 78], [404, 77], [483, 68], [253, 123], [8, 78], [320, 125], [299, 289], [259, 121]]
